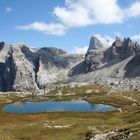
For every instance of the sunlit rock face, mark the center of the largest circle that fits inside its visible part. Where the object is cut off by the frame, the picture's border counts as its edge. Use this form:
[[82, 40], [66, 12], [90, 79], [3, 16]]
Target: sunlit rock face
[[95, 43], [124, 49], [111, 66], [97, 54], [25, 69], [94, 54]]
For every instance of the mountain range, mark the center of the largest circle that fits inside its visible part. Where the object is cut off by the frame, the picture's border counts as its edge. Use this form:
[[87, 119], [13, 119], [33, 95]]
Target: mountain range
[[27, 69]]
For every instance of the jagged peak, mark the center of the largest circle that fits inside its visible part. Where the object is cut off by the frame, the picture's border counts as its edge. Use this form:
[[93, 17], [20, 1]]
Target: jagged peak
[[94, 37], [95, 43], [2, 44], [118, 42], [118, 38]]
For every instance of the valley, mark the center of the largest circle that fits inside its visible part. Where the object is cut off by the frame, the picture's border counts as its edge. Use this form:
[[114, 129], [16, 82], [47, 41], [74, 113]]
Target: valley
[[70, 70], [34, 79], [73, 125]]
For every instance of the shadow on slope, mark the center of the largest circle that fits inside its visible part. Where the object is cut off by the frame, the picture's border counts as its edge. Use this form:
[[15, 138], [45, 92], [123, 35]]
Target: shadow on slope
[[132, 68], [78, 69]]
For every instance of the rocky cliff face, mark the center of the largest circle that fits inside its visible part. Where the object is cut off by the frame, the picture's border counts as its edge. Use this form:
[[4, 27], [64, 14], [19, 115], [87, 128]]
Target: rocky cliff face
[[95, 43], [114, 65], [124, 49], [1, 45], [94, 55], [119, 51], [18, 71], [25, 69]]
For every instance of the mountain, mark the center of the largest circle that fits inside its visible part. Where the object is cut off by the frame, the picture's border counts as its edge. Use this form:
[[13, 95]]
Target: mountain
[[117, 66], [25, 69], [118, 52], [94, 54], [29, 69], [95, 43]]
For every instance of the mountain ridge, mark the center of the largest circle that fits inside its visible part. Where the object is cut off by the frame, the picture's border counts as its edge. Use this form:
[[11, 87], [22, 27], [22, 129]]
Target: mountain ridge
[[28, 69]]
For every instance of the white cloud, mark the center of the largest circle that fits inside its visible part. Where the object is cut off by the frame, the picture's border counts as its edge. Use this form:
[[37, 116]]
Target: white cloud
[[9, 10], [133, 10], [136, 37], [80, 50], [83, 13], [73, 17], [77, 13], [118, 34], [106, 40], [52, 28]]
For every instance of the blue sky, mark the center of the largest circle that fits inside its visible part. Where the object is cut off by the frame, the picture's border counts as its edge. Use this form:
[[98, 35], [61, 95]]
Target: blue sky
[[67, 24]]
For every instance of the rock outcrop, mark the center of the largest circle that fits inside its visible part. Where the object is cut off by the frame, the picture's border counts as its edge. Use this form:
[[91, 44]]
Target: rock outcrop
[[25, 69], [94, 55], [113, 64], [2, 45], [95, 43], [124, 49], [116, 48], [119, 51]]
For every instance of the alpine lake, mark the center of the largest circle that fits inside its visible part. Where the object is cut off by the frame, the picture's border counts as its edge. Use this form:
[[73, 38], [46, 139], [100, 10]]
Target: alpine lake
[[69, 116], [56, 106]]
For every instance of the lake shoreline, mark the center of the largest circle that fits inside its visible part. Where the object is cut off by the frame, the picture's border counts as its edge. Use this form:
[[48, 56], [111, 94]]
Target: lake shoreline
[[29, 126]]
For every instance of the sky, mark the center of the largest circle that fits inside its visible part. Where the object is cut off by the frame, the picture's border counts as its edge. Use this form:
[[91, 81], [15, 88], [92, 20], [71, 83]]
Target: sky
[[68, 24]]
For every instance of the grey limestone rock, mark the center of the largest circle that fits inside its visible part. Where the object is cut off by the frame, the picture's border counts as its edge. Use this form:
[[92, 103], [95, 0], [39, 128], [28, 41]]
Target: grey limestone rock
[[94, 55], [109, 66], [24, 69], [32, 69], [95, 43]]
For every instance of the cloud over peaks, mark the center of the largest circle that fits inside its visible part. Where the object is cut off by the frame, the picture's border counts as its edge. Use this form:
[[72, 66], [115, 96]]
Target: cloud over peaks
[[136, 37], [82, 13], [80, 50], [52, 28], [77, 13]]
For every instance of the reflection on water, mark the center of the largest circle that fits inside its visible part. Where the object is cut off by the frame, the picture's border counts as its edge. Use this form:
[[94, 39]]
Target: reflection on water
[[55, 106]]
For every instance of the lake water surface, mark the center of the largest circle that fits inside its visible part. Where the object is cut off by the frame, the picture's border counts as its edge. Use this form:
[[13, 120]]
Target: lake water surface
[[56, 106]]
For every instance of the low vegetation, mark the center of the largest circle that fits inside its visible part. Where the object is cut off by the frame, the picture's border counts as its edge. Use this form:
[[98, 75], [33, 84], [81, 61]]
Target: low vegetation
[[72, 125]]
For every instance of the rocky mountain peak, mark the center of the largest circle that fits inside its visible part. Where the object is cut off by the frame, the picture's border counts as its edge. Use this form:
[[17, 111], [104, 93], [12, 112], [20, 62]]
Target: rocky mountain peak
[[95, 43], [118, 42], [25, 69], [2, 45], [119, 51], [128, 48], [128, 42], [94, 54], [124, 49]]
